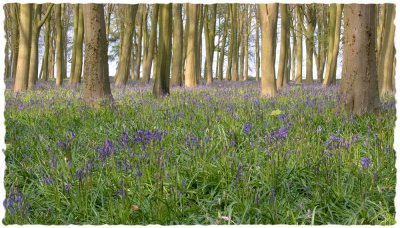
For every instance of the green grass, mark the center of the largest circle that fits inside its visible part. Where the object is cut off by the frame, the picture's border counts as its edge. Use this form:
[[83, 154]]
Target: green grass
[[228, 177]]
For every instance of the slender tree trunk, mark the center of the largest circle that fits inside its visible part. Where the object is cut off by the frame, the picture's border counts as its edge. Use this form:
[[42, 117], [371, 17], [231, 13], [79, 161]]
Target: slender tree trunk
[[162, 74], [200, 42], [73, 57], [59, 46], [176, 77], [148, 58], [311, 23], [299, 47], [283, 47], [14, 38], [257, 46], [246, 44], [122, 74], [138, 59], [234, 40], [268, 17], [96, 80], [339, 9], [24, 49], [222, 48], [77, 73], [191, 52], [359, 85], [52, 53], [209, 29], [294, 40], [185, 41], [386, 55]]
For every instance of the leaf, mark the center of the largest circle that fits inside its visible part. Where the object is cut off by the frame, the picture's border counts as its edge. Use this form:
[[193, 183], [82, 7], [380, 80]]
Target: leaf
[[134, 208], [276, 112]]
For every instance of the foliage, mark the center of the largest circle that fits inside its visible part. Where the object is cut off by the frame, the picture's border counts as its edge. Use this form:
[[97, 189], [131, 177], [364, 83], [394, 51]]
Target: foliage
[[211, 155]]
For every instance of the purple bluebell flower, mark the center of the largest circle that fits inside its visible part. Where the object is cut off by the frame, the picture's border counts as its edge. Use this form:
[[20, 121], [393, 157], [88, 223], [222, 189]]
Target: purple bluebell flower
[[139, 173], [246, 127], [365, 162], [183, 183]]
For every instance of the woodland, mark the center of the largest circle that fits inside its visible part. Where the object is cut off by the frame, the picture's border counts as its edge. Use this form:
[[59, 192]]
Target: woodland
[[199, 113]]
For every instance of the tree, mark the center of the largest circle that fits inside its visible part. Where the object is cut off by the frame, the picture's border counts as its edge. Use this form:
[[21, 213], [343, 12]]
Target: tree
[[223, 44], [268, 14], [24, 48], [191, 51], [386, 53], [149, 50], [359, 85], [76, 71], [257, 46], [309, 31], [283, 47], [59, 46], [234, 40], [126, 47], [164, 54], [335, 18], [246, 44], [96, 80], [320, 55], [209, 30], [138, 60], [177, 60], [299, 47]]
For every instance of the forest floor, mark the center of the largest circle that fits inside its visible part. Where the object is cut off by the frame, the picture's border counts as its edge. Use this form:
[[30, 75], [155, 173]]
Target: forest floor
[[210, 155]]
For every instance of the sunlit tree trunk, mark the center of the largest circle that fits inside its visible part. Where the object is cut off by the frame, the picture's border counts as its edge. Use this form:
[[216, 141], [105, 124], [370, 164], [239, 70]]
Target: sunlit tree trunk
[[122, 74], [76, 75], [59, 46], [268, 17], [234, 40], [24, 49], [191, 52]]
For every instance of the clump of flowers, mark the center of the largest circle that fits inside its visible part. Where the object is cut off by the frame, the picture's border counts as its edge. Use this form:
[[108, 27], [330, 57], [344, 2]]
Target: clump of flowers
[[15, 203]]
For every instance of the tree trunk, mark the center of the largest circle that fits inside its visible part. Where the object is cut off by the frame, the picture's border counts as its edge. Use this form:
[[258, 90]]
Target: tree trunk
[[386, 55], [199, 52], [73, 57], [176, 77], [299, 47], [339, 9], [14, 38], [311, 23], [283, 47], [209, 30], [138, 59], [294, 40], [161, 81], [268, 17], [191, 52], [234, 40], [222, 48], [359, 85], [24, 49], [257, 46], [59, 46], [122, 74], [148, 58], [246, 44], [77, 73], [96, 80]]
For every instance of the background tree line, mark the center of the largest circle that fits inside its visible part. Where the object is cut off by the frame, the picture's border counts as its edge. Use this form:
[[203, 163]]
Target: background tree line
[[166, 41]]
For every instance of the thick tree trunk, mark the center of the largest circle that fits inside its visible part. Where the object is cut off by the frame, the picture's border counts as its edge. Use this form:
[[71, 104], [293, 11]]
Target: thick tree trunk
[[268, 17], [299, 47], [191, 52], [161, 81], [283, 46], [176, 77], [359, 85], [148, 58], [96, 80], [122, 74], [24, 49]]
